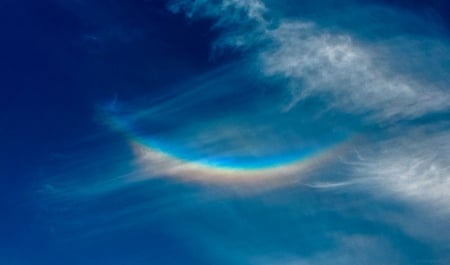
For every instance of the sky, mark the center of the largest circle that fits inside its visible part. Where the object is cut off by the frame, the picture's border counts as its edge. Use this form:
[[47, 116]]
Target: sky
[[224, 132]]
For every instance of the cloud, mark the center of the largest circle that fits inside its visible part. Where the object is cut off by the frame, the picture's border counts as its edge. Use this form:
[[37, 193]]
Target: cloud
[[356, 76], [318, 62], [226, 11], [237, 19], [413, 168]]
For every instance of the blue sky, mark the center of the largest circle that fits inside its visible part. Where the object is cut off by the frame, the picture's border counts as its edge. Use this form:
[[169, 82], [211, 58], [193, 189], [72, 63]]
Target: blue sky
[[225, 132]]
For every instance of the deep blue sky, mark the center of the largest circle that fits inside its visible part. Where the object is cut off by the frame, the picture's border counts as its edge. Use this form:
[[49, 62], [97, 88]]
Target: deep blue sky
[[65, 63]]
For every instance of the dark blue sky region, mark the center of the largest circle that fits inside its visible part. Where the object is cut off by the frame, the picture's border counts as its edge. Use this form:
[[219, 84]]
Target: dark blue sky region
[[224, 132]]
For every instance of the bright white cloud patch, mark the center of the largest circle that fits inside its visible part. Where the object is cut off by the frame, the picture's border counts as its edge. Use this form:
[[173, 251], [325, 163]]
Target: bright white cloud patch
[[415, 168]]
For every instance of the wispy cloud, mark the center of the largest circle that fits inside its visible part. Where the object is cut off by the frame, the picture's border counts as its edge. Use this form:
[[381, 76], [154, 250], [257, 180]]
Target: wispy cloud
[[226, 11], [318, 62], [357, 76], [414, 167]]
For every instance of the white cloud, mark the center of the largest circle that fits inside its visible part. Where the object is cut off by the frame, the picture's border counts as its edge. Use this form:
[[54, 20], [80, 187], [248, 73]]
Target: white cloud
[[414, 168], [357, 77], [321, 63]]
